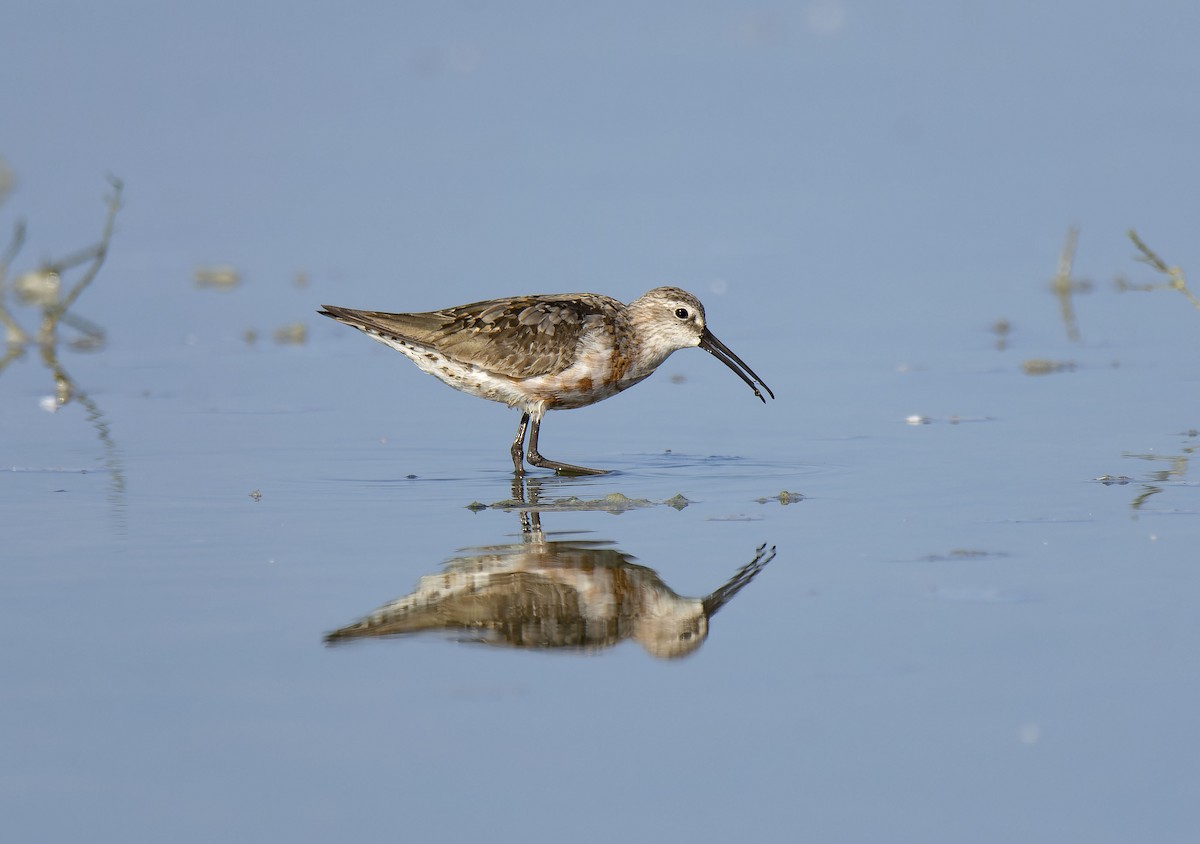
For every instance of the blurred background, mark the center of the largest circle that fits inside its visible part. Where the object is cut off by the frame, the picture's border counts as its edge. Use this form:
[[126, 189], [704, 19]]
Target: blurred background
[[821, 153], [910, 219]]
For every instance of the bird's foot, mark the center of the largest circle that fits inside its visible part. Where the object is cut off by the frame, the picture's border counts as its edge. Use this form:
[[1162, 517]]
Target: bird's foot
[[536, 459]]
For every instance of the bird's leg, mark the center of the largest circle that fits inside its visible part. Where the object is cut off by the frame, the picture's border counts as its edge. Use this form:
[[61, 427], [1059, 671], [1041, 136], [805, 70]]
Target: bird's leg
[[519, 445], [531, 518], [536, 459]]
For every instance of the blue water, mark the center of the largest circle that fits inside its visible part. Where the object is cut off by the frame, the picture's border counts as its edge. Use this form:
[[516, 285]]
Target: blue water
[[963, 637]]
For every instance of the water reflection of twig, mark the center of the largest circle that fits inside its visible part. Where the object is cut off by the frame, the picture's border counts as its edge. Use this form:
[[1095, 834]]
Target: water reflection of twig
[[538, 594], [64, 386], [1063, 286], [1173, 473], [42, 288], [1176, 471], [1144, 496]]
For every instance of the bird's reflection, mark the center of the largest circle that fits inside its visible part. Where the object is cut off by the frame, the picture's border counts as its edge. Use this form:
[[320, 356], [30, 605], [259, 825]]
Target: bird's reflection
[[550, 594]]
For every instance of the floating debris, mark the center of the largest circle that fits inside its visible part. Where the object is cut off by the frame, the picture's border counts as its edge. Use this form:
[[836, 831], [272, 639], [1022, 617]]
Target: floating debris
[[916, 419], [256, 495], [1110, 480], [1044, 366], [291, 335], [677, 501], [1001, 328], [220, 276], [784, 498]]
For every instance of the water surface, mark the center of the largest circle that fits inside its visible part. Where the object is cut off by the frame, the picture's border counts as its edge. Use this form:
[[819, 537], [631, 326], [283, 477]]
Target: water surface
[[963, 634]]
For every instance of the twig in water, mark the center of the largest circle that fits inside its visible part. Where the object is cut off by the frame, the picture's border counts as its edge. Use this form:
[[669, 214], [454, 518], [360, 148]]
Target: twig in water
[[1175, 279], [96, 254], [15, 335]]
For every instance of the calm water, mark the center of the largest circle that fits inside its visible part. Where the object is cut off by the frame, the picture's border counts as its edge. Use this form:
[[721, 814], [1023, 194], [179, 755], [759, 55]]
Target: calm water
[[962, 636]]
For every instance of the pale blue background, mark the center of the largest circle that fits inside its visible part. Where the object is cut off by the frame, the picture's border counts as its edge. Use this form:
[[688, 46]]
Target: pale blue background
[[856, 190]]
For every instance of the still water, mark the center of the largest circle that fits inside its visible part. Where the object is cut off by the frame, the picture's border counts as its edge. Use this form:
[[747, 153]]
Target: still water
[[944, 588]]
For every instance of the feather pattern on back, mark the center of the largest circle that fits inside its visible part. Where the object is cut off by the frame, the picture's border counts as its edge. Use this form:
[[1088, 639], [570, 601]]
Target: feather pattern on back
[[521, 337]]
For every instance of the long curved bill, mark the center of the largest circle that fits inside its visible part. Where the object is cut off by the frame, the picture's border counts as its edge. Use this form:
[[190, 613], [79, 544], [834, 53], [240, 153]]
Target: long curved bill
[[720, 351], [740, 578]]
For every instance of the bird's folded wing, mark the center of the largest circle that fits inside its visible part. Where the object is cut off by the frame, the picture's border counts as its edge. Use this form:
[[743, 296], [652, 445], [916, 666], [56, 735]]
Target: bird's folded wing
[[522, 337]]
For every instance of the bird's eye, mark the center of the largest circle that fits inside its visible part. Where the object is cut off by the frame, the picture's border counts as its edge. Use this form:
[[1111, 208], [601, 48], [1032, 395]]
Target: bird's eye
[[682, 313]]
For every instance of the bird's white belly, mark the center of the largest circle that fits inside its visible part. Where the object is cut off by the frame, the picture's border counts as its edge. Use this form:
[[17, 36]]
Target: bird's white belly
[[589, 379]]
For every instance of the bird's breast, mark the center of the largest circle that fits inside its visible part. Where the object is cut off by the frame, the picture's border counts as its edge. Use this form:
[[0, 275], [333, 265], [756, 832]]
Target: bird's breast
[[600, 369]]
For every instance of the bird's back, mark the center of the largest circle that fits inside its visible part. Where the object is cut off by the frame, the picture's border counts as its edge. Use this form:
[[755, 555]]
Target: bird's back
[[520, 337]]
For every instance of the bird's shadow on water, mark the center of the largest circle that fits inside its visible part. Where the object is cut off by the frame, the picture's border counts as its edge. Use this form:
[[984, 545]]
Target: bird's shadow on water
[[568, 595]]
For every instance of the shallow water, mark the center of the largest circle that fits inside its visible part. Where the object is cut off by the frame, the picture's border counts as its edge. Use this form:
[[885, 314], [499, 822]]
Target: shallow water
[[963, 634]]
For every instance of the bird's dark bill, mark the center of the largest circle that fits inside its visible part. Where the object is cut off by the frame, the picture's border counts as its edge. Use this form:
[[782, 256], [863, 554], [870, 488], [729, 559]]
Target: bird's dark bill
[[720, 351]]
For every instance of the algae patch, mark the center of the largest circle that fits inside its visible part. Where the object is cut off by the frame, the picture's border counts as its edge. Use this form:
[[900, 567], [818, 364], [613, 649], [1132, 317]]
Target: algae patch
[[614, 502]]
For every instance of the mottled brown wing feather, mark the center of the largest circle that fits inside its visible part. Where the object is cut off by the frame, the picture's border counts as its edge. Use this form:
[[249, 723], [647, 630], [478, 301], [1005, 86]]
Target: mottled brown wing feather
[[521, 337]]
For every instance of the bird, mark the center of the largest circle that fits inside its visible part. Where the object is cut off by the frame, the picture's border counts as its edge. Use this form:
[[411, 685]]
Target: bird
[[545, 595], [548, 352]]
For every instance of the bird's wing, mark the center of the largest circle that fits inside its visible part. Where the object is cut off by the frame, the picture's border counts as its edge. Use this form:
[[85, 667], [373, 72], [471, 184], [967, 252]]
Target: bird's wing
[[522, 337], [514, 608]]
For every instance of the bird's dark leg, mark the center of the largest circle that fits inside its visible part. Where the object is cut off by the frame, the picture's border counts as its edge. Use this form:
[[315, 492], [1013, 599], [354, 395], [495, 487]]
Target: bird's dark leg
[[519, 445], [536, 459], [527, 491]]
